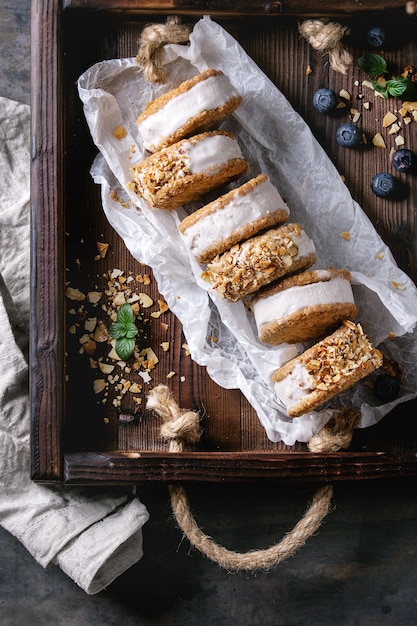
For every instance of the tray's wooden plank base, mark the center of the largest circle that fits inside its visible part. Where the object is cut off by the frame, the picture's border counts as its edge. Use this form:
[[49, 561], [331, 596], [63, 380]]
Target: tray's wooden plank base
[[95, 445]]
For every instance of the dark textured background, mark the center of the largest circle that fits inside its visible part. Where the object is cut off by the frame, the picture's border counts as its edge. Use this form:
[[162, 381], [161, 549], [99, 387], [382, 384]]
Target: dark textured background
[[360, 569]]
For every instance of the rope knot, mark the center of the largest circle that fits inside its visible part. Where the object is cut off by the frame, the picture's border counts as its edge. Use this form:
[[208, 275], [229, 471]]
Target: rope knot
[[184, 429], [181, 426], [327, 38], [152, 40], [337, 433]]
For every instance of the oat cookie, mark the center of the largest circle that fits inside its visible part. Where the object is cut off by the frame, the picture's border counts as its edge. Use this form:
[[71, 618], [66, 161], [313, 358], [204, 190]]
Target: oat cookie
[[303, 307], [187, 170], [197, 105], [233, 217], [329, 367]]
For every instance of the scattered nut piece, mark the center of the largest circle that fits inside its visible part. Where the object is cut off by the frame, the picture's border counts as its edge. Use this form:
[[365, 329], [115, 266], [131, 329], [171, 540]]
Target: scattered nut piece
[[399, 140], [74, 294], [397, 285], [145, 300], [394, 129], [170, 374], [90, 324], [389, 118], [308, 70], [345, 235], [344, 94], [99, 385], [94, 296], [101, 334], [119, 132], [106, 368], [380, 255], [165, 346], [102, 248], [378, 141]]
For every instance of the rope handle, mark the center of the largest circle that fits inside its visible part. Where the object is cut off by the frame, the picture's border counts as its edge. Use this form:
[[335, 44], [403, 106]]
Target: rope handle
[[182, 428]]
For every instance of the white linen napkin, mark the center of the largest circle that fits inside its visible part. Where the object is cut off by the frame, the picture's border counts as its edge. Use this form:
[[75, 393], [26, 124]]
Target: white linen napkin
[[92, 534]]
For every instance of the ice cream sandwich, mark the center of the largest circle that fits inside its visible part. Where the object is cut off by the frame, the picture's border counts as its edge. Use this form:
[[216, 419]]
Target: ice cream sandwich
[[188, 169], [251, 264], [197, 105], [328, 368], [233, 217], [304, 306]]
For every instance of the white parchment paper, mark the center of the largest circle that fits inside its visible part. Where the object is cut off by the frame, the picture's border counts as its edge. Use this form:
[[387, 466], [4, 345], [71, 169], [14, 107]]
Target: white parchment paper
[[276, 141]]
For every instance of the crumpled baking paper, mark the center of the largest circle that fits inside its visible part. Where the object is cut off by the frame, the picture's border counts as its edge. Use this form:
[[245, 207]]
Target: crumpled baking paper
[[267, 128]]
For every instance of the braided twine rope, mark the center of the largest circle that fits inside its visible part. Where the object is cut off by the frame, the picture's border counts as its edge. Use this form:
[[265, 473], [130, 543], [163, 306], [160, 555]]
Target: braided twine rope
[[182, 427]]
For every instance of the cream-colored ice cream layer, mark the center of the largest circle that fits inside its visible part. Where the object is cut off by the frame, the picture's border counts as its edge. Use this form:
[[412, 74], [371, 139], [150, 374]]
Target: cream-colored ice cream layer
[[206, 95], [211, 151], [293, 388], [304, 244], [240, 211], [287, 301]]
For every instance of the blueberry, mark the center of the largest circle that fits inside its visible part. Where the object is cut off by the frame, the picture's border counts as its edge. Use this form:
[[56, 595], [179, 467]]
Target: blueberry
[[376, 37], [386, 387], [348, 135], [324, 100], [403, 160], [383, 184]]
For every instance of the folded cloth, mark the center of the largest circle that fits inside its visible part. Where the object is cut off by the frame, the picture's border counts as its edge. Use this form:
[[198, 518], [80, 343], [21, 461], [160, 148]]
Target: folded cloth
[[92, 534]]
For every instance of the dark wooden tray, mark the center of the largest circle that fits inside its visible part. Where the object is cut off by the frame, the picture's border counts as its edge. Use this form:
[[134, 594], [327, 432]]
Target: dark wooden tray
[[75, 438]]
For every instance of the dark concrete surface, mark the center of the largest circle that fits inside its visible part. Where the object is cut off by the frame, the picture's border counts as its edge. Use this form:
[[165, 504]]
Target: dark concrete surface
[[360, 569]]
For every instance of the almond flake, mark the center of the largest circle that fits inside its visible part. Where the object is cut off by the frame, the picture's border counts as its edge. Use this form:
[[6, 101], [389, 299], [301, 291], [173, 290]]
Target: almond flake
[[74, 294], [344, 94], [145, 300], [345, 235], [399, 140], [165, 346], [394, 129], [99, 385], [389, 118], [94, 296], [170, 374], [90, 324], [106, 368], [378, 141]]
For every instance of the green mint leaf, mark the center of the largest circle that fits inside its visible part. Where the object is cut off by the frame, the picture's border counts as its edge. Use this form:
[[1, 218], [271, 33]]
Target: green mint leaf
[[410, 91], [125, 314], [124, 347], [131, 331], [382, 89], [117, 330], [396, 86], [373, 64]]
